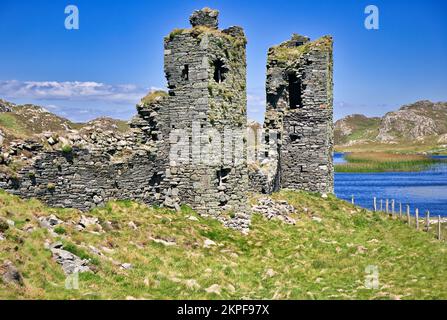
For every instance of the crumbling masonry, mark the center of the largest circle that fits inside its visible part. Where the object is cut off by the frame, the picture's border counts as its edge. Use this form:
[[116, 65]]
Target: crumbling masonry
[[298, 124], [189, 146]]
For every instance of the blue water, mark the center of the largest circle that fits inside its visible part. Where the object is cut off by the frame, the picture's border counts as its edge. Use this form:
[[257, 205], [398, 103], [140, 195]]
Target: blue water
[[426, 190]]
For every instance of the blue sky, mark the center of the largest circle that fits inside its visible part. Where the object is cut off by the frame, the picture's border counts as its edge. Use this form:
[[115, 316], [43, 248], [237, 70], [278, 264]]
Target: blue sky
[[116, 56]]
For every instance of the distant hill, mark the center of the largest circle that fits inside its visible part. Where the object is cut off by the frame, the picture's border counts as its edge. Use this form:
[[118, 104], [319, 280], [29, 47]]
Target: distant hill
[[421, 126], [26, 121]]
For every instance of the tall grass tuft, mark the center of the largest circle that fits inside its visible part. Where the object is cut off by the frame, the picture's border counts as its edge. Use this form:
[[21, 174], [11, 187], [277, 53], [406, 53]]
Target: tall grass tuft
[[384, 162]]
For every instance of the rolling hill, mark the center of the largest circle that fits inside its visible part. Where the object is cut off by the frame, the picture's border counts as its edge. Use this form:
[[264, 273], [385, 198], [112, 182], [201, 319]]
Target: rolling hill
[[417, 127]]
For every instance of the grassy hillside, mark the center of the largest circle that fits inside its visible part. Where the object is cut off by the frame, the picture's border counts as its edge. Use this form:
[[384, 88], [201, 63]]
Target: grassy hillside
[[25, 121], [356, 127], [323, 256], [417, 127]]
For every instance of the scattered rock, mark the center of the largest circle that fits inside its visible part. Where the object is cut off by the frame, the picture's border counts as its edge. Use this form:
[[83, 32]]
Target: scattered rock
[[49, 222], [107, 250], [164, 242], [361, 249], [28, 228], [132, 225], [10, 274], [272, 209], [70, 263], [192, 284], [215, 288], [126, 266], [316, 219], [86, 222], [192, 218], [270, 273], [208, 243], [3, 225], [95, 251]]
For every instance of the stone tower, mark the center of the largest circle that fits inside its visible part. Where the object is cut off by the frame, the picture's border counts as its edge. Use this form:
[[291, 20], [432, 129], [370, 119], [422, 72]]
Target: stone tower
[[299, 111], [206, 114]]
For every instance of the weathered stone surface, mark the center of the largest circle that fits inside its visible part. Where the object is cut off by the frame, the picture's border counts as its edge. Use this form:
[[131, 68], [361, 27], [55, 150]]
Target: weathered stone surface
[[10, 274], [70, 263], [272, 209], [49, 222], [299, 117], [204, 113], [6, 106], [205, 17]]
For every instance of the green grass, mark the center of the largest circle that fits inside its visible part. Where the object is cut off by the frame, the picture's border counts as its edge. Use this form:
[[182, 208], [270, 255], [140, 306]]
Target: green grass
[[309, 260], [384, 162]]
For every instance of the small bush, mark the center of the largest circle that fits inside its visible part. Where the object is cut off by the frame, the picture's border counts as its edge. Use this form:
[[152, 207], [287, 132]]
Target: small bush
[[51, 186], [60, 230], [67, 149]]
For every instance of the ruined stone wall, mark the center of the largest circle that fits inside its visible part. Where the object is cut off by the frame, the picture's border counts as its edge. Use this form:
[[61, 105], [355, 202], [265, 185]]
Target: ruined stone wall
[[85, 178], [205, 68], [299, 109], [187, 146]]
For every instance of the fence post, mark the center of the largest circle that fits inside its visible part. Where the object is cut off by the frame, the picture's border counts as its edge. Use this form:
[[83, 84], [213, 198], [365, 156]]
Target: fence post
[[381, 205], [392, 208], [408, 215], [400, 210], [439, 227], [417, 219], [352, 200], [386, 206], [427, 221], [375, 204]]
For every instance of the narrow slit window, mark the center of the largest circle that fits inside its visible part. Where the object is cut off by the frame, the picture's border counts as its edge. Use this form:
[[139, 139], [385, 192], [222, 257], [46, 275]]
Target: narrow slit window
[[295, 94], [185, 72]]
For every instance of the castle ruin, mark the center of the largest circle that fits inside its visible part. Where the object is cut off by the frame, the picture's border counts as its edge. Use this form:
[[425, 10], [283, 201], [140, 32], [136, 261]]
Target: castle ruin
[[189, 146]]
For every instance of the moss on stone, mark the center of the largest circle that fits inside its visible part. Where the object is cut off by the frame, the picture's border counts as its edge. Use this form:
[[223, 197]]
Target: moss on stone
[[154, 96], [174, 33], [283, 53]]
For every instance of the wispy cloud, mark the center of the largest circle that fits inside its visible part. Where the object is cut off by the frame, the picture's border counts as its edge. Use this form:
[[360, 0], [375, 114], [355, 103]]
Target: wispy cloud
[[256, 104], [72, 90]]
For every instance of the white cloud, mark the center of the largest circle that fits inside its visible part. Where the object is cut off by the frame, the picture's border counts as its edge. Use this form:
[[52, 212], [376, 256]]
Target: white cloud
[[72, 90]]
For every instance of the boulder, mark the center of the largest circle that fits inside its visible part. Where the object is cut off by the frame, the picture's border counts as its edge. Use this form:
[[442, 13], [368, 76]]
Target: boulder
[[10, 274]]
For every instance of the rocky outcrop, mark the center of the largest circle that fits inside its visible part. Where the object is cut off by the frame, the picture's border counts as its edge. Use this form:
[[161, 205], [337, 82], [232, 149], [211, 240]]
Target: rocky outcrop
[[69, 262], [408, 125], [10, 274], [411, 123], [6, 106], [358, 125]]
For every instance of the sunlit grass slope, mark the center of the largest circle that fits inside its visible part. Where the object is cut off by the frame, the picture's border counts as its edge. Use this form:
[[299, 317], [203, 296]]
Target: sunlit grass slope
[[323, 256]]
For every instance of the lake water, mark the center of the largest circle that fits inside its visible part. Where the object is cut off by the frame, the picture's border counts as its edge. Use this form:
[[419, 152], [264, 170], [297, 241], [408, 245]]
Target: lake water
[[426, 190]]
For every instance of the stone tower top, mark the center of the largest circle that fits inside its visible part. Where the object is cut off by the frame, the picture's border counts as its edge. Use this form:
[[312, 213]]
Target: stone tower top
[[297, 40], [205, 17]]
